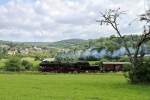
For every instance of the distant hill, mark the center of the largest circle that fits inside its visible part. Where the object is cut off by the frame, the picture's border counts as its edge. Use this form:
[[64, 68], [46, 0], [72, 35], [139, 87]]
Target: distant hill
[[59, 44], [111, 43], [67, 43]]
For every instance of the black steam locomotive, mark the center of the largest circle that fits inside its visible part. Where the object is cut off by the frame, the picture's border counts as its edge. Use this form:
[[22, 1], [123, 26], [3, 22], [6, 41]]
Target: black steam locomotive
[[65, 67]]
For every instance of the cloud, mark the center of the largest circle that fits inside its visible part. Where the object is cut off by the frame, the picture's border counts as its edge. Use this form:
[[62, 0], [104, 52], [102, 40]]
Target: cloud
[[53, 20]]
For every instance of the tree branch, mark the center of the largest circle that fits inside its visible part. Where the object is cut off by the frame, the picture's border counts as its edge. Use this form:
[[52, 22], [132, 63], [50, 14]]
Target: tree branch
[[110, 17]]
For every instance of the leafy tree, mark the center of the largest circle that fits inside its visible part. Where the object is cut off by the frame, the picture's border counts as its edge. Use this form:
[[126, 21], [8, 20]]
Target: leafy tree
[[111, 17]]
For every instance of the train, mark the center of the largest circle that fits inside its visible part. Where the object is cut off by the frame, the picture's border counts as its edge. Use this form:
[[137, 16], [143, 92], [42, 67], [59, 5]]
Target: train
[[79, 66], [65, 67]]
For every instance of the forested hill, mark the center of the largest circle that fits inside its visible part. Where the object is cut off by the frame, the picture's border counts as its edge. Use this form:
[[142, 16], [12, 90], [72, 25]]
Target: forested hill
[[111, 43], [68, 43], [59, 44]]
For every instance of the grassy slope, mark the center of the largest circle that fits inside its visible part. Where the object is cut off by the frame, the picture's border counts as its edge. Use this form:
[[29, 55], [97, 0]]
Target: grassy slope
[[70, 87]]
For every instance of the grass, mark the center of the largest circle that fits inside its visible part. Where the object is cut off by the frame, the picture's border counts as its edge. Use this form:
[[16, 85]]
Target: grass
[[70, 87]]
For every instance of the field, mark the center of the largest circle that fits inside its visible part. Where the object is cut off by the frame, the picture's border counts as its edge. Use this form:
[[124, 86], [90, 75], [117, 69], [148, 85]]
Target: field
[[70, 87]]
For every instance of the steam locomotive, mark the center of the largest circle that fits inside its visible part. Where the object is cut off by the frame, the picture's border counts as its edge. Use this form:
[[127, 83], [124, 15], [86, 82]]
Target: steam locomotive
[[65, 67]]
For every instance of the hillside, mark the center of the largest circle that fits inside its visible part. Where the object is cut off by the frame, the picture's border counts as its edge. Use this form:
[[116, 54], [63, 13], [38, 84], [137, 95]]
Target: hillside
[[59, 44], [110, 43], [67, 43]]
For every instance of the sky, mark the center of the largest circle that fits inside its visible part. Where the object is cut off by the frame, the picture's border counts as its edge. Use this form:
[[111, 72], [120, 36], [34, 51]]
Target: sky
[[54, 20]]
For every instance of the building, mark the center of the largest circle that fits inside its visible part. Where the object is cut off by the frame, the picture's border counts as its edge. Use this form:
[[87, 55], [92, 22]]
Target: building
[[12, 51]]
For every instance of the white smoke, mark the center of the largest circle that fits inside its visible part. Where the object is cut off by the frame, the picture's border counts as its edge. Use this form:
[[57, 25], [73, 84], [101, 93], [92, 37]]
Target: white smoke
[[119, 52], [94, 53]]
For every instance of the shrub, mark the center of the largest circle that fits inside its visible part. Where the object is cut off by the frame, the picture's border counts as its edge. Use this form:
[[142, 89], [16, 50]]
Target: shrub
[[13, 64], [36, 68], [37, 58], [141, 73], [126, 67], [27, 65]]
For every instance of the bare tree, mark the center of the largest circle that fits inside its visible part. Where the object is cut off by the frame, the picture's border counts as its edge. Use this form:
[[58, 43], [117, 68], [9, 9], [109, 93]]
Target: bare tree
[[111, 17]]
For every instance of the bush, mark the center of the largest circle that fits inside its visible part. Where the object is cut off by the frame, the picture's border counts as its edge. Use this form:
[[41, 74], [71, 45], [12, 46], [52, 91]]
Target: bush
[[126, 67], [13, 64], [38, 58], [141, 73], [27, 65]]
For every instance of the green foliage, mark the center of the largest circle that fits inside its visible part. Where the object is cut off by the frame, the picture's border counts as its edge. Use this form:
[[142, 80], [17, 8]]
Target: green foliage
[[126, 67], [3, 52], [37, 58], [101, 62], [31, 60], [19, 64], [94, 62], [140, 73], [14, 64], [2, 63], [124, 59], [27, 65]]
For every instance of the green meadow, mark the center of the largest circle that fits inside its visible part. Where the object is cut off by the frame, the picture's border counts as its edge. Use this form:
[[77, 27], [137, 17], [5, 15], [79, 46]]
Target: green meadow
[[106, 86]]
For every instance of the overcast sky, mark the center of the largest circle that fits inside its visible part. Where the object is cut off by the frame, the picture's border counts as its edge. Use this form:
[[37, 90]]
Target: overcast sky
[[53, 20]]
